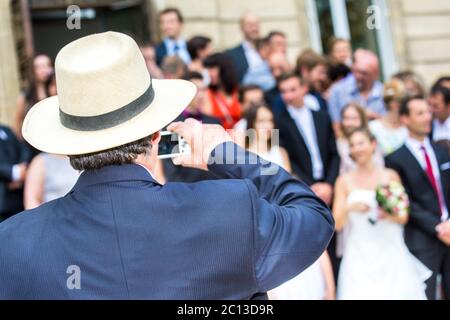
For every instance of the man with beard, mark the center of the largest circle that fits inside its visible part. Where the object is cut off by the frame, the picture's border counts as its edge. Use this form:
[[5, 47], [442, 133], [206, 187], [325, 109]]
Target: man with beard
[[312, 68]]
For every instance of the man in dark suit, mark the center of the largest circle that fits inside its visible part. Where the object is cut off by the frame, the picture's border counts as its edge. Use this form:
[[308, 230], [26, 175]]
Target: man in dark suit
[[246, 55], [119, 234], [308, 137], [171, 24], [14, 157], [425, 172]]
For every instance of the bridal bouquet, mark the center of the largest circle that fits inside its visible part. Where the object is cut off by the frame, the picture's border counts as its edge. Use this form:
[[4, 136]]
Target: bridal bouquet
[[392, 198]]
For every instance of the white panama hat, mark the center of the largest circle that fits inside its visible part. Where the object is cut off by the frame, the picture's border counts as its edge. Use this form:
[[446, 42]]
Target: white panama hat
[[106, 98]]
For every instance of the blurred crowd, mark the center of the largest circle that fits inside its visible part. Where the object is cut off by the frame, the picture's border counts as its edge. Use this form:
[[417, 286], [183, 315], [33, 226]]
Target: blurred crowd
[[339, 129]]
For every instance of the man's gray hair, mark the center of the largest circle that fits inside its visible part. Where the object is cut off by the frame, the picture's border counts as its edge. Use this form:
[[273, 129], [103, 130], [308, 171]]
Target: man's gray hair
[[123, 154]]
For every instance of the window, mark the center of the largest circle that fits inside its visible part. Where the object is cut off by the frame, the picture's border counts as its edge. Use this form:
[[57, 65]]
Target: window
[[349, 19]]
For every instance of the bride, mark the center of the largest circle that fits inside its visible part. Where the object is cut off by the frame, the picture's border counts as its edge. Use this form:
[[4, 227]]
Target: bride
[[376, 263]]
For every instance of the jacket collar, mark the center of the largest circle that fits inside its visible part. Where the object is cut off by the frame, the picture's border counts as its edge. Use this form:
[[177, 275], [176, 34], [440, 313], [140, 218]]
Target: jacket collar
[[126, 172]]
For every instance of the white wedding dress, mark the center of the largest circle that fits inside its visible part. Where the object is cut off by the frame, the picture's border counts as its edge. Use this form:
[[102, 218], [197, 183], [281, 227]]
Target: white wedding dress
[[308, 285], [376, 264]]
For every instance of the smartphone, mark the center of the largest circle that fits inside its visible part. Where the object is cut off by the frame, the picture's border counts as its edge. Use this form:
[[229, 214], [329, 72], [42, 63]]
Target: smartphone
[[172, 145]]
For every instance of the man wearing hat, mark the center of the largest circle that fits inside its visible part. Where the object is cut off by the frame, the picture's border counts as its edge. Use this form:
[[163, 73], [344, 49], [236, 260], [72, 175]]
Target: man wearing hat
[[119, 234]]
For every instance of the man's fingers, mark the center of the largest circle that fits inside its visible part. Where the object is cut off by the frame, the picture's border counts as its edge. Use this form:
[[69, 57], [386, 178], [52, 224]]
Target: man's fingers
[[174, 125], [182, 129], [178, 161], [192, 122]]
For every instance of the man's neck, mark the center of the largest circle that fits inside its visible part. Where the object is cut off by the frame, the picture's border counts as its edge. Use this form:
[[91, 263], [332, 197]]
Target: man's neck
[[251, 43], [298, 105], [366, 90], [176, 38], [418, 137], [442, 121]]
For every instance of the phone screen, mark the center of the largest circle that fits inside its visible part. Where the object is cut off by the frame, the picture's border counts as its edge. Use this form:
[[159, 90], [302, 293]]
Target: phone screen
[[168, 144]]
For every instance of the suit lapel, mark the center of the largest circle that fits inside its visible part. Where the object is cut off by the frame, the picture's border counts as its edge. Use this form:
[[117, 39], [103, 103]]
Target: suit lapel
[[444, 186], [292, 125], [319, 130], [415, 166]]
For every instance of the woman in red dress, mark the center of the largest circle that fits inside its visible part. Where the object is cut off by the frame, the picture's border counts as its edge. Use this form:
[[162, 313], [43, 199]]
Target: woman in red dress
[[222, 98]]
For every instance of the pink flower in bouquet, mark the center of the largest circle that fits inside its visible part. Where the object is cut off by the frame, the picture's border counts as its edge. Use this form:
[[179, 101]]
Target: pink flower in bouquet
[[392, 198]]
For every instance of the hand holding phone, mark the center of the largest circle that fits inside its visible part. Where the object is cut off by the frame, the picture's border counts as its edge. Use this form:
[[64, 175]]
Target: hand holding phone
[[201, 138]]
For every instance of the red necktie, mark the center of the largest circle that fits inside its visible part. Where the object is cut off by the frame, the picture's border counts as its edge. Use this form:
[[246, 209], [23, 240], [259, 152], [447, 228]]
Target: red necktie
[[432, 178]]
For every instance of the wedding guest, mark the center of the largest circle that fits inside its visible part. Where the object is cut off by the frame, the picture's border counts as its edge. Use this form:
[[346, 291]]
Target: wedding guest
[[439, 101], [261, 74], [424, 170], [340, 51], [245, 55], [308, 137], [390, 133], [312, 67], [360, 86], [247, 61], [42, 70], [443, 82], [260, 141], [171, 24], [14, 158], [149, 54], [315, 283], [248, 96], [48, 177], [376, 262], [277, 42], [278, 64], [414, 85], [222, 99], [353, 117], [199, 48], [173, 68]]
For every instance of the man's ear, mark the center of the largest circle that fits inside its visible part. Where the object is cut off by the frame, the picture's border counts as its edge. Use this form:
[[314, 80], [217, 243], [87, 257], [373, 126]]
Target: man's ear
[[156, 137]]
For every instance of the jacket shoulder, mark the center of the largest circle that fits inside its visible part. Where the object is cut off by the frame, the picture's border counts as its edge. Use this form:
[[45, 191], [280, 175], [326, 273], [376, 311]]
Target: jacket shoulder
[[396, 156], [230, 195], [441, 152], [16, 231], [235, 50]]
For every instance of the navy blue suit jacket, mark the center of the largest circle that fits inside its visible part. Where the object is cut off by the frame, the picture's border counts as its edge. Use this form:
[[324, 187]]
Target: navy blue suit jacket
[[128, 237], [237, 54], [161, 52]]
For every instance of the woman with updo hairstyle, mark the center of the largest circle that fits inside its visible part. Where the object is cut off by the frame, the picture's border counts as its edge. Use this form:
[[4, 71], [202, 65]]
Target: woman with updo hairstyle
[[390, 133]]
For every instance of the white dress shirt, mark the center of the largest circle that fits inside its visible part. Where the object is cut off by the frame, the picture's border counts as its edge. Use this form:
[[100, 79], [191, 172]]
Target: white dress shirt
[[253, 58], [258, 72], [415, 147], [182, 49], [441, 130], [305, 123]]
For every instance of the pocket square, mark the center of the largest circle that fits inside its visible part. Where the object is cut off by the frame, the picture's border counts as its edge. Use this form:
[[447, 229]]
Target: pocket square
[[445, 166]]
